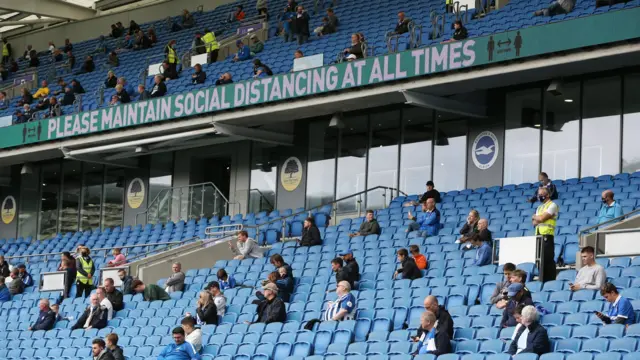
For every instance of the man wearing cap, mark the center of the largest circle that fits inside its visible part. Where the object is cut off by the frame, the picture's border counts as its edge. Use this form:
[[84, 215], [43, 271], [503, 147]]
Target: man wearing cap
[[257, 46], [344, 308], [26, 278], [351, 266], [218, 298], [431, 193], [271, 309], [243, 52], [517, 295]]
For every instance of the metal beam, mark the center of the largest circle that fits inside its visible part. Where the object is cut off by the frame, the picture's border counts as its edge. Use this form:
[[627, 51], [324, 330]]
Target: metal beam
[[28, 22], [254, 134], [444, 104], [51, 8]]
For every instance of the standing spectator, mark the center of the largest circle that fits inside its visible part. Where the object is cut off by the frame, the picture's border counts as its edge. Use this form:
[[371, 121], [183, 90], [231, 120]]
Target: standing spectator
[[531, 337], [470, 227], [610, 209], [421, 260], [187, 19], [5, 295], [169, 72], [193, 334], [261, 6], [292, 5], [115, 32], [243, 52], [197, 45], [483, 251], [26, 99], [310, 233], [620, 311], [591, 275], [26, 278], [260, 69], [71, 61], [198, 76], [180, 349], [143, 94], [99, 350], [278, 261], [159, 87], [287, 23], [557, 7], [104, 302], [111, 342], [218, 298], [344, 308], [403, 24], [114, 295], [68, 46], [428, 222], [84, 273], [337, 266], [257, 46], [226, 281], [517, 296], [46, 318], [172, 57], [301, 25], [68, 265], [151, 292], [127, 281], [432, 341], [369, 226], [211, 45], [7, 52], [351, 266], [224, 79], [271, 309], [545, 222], [4, 267], [133, 27], [94, 317], [545, 183], [408, 267], [355, 51], [176, 281], [246, 247], [118, 258], [206, 309], [502, 287]]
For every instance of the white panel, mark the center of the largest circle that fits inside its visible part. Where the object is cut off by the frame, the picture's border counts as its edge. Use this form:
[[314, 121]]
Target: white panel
[[622, 244], [53, 281], [6, 121], [517, 250], [154, 69], [198, 59], [308, 62], [113, 273]]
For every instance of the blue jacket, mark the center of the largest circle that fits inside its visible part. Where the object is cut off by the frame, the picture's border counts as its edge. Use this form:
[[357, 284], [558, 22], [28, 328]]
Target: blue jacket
[[184, 351], [5, 295], [609, 212], [429, 222], [45, 321], [537, 340], [286, 25], [229, 284], [483, 255], [26, 279], [244, 53]]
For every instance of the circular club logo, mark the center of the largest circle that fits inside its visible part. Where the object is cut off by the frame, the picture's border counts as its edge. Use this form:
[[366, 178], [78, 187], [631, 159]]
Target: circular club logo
[[135, 193], [8, 209], [291, 174], [485, 150]]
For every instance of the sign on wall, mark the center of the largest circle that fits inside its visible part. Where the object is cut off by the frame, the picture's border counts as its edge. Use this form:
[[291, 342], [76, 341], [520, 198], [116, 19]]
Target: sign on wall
[[8, 209], [291, 174], [484, 151], [532, 41], [135, 193]]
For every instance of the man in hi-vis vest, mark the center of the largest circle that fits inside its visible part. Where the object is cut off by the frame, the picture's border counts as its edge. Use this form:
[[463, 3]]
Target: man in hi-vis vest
[[545, 222]]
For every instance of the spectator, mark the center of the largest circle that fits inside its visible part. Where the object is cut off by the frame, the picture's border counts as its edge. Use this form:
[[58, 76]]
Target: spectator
[[432, 341], [118, 256], [111, 80], [369, 226], [301, 25], [483, 231], [557, 7], [320, 30], [226, 281], [246, 247], [125, 43], [104, 302], [127, 281], [502, 287], [285, 283], [243, 52], [26, 98], [112, 59], [260, 69], [63, 85], [151, 35], [159, 88], [123, 98], [408, 267], [172, 57], [261, 6], [88, 66], [4, 267], [42, 105], [206, 309], [517, 296], [224, 79], [4, 102], [7, 52], [94, 317], [420, 260], [257, 45], [459, 32], [329, 24], [143, 94], [211, 45], [176, 281], [114, 295], [218, 298], [197, 45], [272, 308], [172, 26], [28, 113], [180, 349], [27, 52], [287, 23], [151, 292], [344, 308], [403, 24], [483, 251], [193, 334], [142, 41], [111, 342], [531, 337], [115, 31], [85, 270], [545, 183], [355, 51], [26, 278], [57, 55], [591, 275], [342, 274], [69, 97], [199, 76], [278, 261], [239, 14], [310, 233], [52, 47], [351, 266], [545, 222], [46, 319], [133, 27], [14, 66], [187, 19], [43, 91], [620, 311], [101, 46], [470, 227], [99, 350], [68, 46], [115, 100], [77, 87], [292, 5], [428, 222], [5, 295], [56, 310], [169, 71], [34, 60], [610, 209]]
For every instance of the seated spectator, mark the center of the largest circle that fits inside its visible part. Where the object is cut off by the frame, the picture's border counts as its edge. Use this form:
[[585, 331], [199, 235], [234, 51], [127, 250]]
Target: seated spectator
[[52, 47], [104, 302], [344, 308], [218, 298], [432, 341], [355, 51], [43, 104], [56, 310], [224, 79], [260, 69], [111, 342], [351, 266], [99, 350], [143, 94], [226, 281], [187, 19], [114, 295], [118, 258], [483, 231], [193, 334], [459, 32], [171, 25], [502, 287], [483, 251], [46, 318], [557, 7], [257, 45], [342, 274], [159, 88], [54, 108], [121, 28], [127, 282], [329, 24], [206, 309], [27, 112], [5, 295], [112, 59], [421, 260], [517, 277], [591, 275], [94, 317], [176, 281], [62, 85], [469, 228], [239, 14], [369, 226], [517, 296], [620, 311], [68, 46], [151, 35], [151, 292], [26, 98], [531, 337], [123, 96], [169, 71], [142, 41], [4, 267], [57, 55], [310, 233], [4, 102], [128, 88], [180, 349], [243, 52], [545, 183], [278, 261], [43, 91], [115, 100], [101, 46], [285, 284], [403, 24], [408, 267], [125, 43], [323, 29], [610, 208], [77, 87], [271, 309], [246, 247], [199, 76], [115, 32], [88, 66], [426, 223], [133, 27], [20, 117], [34, 60], [26, 278], [261, 6], [301, 25]]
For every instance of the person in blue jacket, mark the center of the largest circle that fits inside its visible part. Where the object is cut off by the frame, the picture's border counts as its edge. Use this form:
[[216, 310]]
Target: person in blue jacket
[[180, 349], [243, 52], [287, 20], [620, 311], [483, 251], [610, 209], [26, 278], [5, 295], [46, 318], [225, 280], [428, 222]]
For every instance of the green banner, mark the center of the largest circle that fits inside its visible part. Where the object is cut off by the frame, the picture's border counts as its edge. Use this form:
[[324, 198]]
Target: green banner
[[561, 36]]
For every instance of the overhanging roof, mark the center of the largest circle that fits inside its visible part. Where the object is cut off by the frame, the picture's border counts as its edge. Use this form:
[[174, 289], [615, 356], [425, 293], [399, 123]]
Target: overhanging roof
[[17, 11]]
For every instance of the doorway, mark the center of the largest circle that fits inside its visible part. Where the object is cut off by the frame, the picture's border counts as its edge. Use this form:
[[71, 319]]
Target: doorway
[[206, 200]]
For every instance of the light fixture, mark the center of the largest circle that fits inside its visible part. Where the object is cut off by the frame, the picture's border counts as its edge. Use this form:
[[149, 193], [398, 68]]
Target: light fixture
[[27, 169], [536, 125], [555, 88], [337, 121], [568, 100]]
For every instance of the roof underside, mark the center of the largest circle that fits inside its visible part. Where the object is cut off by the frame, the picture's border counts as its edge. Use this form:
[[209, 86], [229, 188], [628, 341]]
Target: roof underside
[[16, 14]]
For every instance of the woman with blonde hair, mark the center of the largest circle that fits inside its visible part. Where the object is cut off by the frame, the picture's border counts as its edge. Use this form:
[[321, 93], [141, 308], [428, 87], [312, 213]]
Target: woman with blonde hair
[[206, 310]]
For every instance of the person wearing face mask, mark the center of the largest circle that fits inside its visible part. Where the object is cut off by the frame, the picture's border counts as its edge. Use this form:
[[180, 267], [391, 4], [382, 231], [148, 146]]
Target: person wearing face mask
[[84, 273], [529, 336], [126, 282], [545, 222], [610, 209], [172, 56], [545, 183]]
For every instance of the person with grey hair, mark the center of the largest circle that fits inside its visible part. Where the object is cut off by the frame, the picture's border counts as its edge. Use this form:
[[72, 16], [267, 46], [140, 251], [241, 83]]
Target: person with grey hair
[[531, 337], [344, 307], [46, 319], [176, 281], [432, 341]]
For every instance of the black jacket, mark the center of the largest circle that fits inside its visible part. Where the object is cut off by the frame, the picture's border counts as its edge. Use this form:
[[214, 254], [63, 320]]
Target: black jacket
[[126, 285], [4, 270], [159, 90], [117, 353], [537, 340], [208, 314], [89, 66], [431, 194], [106, 355], [98, 321], [402, 27], [200, 78], [460, 34], [116, 299], [409, 269], [111, 82], [369, 228], [124, 97], [445, 323], [468, 230], [271, 311], [343, 275], [508, 319], [301, 24], [68, 98], [78, 89], [310, 236], [356, 50], [45, 321], [354, 270]]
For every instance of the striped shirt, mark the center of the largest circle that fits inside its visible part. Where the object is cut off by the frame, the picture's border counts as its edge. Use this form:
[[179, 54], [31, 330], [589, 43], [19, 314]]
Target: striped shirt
[[347, 302]]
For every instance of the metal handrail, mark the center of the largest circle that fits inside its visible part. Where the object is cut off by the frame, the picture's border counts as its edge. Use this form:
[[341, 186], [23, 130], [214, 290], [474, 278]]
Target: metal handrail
[[262, 196], [608, 222], [168, 246], [438, 29]]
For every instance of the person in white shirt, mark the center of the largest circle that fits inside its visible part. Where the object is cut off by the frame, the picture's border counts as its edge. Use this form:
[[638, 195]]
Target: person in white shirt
[[193, 335], [246, 247], [104, 302], [591, 275], [218, 298]]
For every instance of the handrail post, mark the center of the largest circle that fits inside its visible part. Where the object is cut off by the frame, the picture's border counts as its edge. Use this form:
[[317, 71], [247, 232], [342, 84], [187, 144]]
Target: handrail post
[[359, 201], [202, 190]]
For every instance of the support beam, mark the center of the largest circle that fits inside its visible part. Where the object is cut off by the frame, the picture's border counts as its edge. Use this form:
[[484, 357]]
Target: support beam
[[444, 104], [51, 8], [254, 134], [28, 22]]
